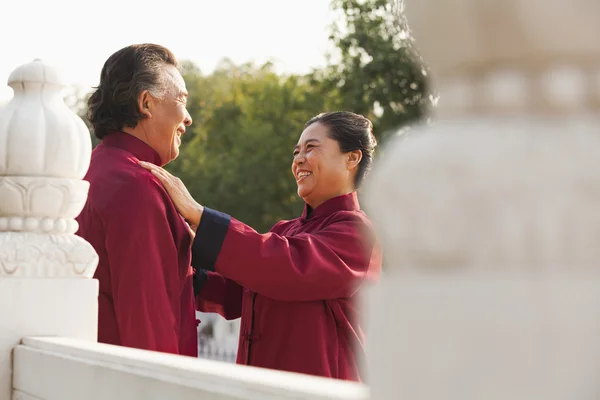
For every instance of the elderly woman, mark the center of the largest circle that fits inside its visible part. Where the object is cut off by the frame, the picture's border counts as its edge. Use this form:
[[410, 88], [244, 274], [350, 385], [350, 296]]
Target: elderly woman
[[295, 288]]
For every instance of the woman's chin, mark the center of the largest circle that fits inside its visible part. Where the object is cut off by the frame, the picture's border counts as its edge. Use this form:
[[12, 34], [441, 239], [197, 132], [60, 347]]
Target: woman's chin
[[303, 191]]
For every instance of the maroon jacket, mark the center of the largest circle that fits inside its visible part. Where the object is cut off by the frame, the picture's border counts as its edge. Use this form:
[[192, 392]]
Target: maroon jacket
[[146, 294], [295, 288]]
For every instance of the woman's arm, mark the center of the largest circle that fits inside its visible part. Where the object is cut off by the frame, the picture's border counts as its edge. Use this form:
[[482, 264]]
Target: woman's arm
[[328, 264]]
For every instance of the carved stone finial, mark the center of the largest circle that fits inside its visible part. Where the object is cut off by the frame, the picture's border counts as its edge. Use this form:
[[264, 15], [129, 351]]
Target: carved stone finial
[[512, 56], [489, 217], [45, 150], [527, 181], [491, 197]]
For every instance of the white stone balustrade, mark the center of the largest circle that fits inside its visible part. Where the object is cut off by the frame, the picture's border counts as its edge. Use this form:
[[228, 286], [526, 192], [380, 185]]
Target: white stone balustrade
[[44, 155], [66, 369], [45, 270], [490, 217]]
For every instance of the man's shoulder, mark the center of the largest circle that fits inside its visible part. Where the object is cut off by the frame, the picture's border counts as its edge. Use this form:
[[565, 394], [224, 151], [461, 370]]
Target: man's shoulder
[[123, 184], [118, 168], [109, 160]]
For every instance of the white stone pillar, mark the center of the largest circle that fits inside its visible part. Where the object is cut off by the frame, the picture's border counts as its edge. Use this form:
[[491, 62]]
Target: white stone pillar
[[490, 218], [45, 270]]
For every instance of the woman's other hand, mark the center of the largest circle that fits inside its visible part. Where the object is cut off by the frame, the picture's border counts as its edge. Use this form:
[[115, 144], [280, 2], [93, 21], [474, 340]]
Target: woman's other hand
[[181, 197]]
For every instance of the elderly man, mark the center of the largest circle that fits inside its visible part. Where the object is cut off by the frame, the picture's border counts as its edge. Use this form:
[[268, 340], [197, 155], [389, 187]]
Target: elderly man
[[146, 296]]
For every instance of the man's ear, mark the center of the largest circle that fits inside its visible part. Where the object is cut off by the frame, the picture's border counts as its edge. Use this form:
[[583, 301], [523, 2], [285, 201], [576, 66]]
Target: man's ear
[[145, 103], [354, 158]]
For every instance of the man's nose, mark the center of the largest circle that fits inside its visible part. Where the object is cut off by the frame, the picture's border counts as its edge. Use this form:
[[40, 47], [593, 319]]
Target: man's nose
[[188, 119]]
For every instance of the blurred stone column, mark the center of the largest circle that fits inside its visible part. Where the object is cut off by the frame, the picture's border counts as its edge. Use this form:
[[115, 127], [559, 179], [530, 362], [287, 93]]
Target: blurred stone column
[[45, 270], [490, 217]]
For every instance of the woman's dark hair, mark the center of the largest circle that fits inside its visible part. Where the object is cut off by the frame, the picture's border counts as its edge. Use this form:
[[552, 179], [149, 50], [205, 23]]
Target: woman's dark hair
[[352, 132], [125, 75]]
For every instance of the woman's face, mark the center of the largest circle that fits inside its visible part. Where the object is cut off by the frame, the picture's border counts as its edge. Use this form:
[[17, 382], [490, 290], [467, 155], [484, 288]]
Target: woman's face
[[321, 170]]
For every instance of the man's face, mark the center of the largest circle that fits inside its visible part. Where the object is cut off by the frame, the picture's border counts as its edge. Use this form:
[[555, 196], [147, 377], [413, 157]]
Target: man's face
[[167, 117]]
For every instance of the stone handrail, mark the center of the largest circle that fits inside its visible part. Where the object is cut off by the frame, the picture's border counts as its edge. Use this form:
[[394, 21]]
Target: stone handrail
[[71, 369]]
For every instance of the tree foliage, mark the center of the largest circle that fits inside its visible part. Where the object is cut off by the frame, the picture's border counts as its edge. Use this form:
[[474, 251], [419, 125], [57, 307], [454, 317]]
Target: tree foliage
[[379, 73]]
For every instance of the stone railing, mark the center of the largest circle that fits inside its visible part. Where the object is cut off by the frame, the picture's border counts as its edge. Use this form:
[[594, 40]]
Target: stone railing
[[68, 369], [45, 270]]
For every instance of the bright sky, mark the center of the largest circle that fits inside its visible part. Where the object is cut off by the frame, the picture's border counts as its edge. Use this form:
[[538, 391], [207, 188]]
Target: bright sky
[[78, 36]]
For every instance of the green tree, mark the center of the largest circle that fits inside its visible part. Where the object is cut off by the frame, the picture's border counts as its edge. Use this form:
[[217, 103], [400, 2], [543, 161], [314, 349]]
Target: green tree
[[379, 73]]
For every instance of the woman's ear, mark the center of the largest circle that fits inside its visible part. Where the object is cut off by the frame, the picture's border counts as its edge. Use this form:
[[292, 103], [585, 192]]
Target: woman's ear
[[145, 102], [354, 158]]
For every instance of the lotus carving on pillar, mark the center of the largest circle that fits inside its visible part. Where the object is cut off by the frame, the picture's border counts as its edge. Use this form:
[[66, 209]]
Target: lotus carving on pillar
[[45, 151]]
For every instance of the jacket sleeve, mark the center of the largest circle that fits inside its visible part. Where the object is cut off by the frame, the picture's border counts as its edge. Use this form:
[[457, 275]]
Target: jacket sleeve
[[323, 265], [219, 295], [214, 293], [143, 266]]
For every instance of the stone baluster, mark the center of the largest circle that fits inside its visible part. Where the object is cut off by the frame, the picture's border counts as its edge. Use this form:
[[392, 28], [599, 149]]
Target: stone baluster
[[490, 217], [45, 270]]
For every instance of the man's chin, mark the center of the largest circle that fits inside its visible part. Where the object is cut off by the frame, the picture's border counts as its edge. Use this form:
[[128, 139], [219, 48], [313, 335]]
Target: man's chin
[[170, 157], [174, 153]]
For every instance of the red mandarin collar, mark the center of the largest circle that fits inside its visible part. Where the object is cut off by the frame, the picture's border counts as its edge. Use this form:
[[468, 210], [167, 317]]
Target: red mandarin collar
[[347, 202], [135, 146]]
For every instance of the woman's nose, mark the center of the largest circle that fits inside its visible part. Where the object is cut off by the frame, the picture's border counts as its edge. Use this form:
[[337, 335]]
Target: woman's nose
[[299, 159]]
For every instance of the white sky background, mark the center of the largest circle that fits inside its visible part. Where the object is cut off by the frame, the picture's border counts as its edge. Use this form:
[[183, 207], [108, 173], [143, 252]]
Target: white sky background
[[77, 36]]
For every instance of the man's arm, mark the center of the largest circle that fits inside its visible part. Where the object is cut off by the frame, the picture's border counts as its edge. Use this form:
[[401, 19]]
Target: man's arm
[[143, 268], [217, 294]]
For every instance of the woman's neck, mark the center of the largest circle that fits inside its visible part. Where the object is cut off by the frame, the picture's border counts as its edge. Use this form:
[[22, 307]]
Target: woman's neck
[[314, 203]]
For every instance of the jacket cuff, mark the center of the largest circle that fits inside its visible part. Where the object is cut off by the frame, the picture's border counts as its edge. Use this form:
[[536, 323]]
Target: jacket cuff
[[200, 279], [209, 239]]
